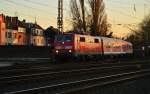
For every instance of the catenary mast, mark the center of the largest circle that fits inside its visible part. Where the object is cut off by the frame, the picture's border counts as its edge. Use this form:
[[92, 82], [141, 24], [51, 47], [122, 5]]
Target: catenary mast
[[60, 15]]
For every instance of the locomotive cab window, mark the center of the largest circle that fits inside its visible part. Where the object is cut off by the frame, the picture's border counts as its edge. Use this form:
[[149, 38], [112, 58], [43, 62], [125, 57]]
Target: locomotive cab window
[[82, 39], [96, 40], [68, 38], [59, 38]]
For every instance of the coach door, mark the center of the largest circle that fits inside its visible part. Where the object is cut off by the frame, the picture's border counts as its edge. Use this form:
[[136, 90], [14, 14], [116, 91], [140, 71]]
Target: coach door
[[77, 45], [102, 46]]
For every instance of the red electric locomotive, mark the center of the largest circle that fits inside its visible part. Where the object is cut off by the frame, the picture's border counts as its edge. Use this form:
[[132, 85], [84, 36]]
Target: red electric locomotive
[[76, 45]]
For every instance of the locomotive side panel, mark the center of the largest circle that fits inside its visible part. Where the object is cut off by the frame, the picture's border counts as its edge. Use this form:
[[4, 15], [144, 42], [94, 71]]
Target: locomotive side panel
[[87, 45]]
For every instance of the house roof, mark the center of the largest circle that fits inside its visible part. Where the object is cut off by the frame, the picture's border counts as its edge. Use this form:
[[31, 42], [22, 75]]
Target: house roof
[[38, 26], [33, 25], [14, 23], [11, 22], [21, 23]]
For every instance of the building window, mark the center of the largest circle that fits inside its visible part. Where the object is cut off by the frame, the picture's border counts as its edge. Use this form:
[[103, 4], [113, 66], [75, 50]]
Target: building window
[[37, 41], [6, 35], [9, 35], [19, 37], [42, 41], [34, 32], [41, 33], [37, 32], [3, 29], [34, 41], [15, 35]]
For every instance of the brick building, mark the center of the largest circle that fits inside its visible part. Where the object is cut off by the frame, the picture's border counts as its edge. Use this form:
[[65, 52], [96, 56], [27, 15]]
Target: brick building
[[2, 30]]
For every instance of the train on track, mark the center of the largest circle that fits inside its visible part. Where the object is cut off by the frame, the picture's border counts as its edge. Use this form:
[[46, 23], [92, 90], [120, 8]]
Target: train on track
[[84, 46]]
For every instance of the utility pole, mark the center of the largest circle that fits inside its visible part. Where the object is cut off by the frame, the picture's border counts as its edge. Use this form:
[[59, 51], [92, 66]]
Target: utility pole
[[16, 14], [60, 15], [35, 20], [145, 9]]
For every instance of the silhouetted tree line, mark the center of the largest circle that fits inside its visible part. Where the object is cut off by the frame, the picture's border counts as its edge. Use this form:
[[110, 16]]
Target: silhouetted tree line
[[141, 37], [51, 32]]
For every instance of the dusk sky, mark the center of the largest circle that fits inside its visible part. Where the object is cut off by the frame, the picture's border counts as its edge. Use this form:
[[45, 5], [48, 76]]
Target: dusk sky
[[125, 12]]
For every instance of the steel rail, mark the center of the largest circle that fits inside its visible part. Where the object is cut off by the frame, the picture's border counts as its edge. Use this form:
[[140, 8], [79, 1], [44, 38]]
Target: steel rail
[[23, 77], [75, 83], [53, 69], [129, 77], [90, 64]]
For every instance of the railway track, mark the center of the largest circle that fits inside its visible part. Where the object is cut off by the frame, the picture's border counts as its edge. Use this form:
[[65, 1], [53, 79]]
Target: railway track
[[10, 79], [76, 87], [29, 64], [41, 68], [59, 78]]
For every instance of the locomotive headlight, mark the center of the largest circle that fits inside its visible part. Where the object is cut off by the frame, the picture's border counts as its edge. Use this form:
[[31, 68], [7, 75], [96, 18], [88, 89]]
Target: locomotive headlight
[[70, 51], [57, 51]]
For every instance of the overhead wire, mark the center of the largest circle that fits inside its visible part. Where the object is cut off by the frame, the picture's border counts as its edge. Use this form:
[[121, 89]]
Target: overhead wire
[[22, 13], [38, 3], [147, 1], [119, 3], [41, 4], [123, 14], [22, 5]]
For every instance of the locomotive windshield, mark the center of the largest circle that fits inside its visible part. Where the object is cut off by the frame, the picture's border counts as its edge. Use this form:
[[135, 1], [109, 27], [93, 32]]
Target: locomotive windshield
[[68, 38], [59, 38], [65, 38]]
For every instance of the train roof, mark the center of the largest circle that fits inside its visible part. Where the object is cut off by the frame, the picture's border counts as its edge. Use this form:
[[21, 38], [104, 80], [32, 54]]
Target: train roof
[[104, 38]]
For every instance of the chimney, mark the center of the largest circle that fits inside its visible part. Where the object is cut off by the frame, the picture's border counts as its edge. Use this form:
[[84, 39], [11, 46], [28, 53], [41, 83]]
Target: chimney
[[24, 21]]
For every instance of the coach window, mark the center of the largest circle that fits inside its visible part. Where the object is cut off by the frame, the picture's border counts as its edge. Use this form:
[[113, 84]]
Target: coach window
[[82, 39], [96, 40]]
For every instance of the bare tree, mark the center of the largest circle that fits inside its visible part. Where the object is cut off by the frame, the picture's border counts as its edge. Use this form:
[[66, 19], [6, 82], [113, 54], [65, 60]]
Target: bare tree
[[99, 18], [141, 37], [77, 20], [98, 22], [83, 14]]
